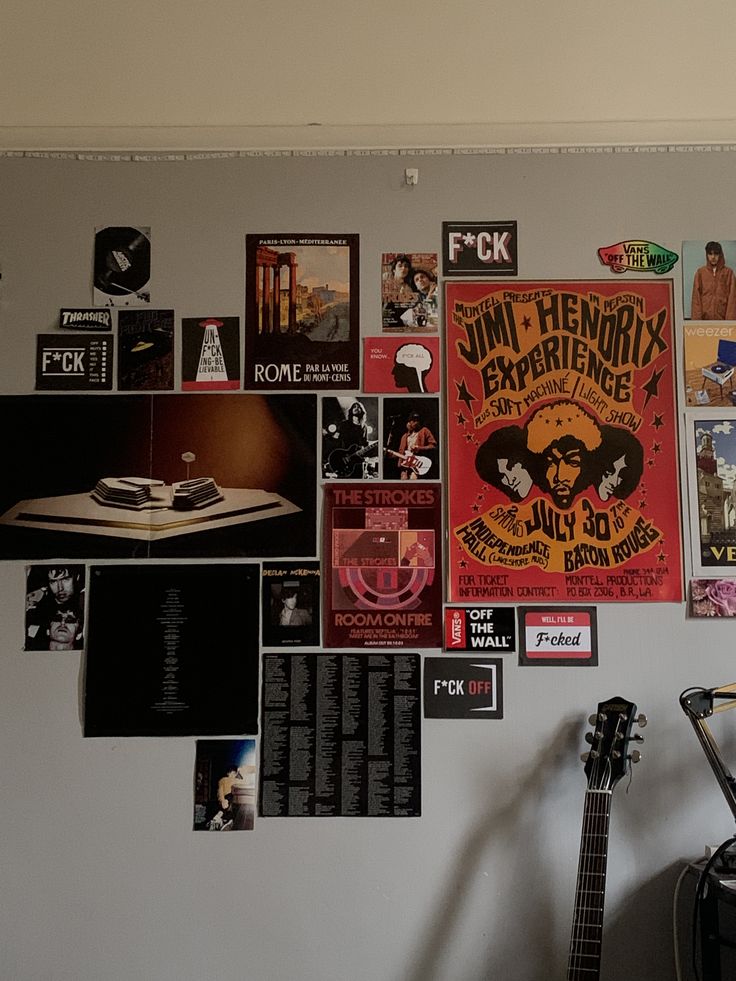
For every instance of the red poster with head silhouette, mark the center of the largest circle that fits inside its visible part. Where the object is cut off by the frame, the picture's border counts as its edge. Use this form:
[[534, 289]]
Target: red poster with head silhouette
[[562, 442], [397, 365]]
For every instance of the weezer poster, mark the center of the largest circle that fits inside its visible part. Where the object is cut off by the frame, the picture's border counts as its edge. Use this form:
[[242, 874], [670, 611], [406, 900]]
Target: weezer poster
[[301, 312], [382, 546], [562, 442]]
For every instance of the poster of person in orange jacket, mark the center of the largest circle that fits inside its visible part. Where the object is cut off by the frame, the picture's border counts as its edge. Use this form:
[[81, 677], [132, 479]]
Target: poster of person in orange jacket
[[713, 290]]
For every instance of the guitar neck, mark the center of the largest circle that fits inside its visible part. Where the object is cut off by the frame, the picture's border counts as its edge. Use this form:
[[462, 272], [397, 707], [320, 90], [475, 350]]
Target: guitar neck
[[584, 961]]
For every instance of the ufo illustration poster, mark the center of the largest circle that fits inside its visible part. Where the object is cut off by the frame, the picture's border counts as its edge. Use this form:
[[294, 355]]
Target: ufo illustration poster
[[562, 442], [145, 350]]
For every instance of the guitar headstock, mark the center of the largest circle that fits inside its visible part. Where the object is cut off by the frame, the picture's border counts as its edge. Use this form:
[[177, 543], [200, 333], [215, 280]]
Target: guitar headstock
[[609, 757]]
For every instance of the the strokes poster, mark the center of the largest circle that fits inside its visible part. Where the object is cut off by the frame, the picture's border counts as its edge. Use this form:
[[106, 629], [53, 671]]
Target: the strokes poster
[[562, 442], [302, 312], [382, 552]]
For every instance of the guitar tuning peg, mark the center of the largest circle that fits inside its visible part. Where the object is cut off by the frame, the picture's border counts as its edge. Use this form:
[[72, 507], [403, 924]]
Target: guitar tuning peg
[[635, 756], [641, 720]]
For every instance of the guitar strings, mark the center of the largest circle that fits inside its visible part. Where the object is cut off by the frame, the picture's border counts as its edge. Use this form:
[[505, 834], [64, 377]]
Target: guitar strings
[[592, 864], [587, 926]]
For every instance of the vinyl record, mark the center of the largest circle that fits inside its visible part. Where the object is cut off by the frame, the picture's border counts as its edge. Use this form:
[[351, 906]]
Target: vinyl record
[[122, 260]]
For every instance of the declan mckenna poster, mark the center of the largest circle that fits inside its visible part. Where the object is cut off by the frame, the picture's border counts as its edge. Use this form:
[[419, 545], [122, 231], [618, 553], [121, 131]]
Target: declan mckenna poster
[[562, 442]]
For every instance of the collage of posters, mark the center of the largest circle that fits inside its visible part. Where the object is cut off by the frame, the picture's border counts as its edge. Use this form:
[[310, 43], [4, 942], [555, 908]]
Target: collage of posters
[[272, 503]]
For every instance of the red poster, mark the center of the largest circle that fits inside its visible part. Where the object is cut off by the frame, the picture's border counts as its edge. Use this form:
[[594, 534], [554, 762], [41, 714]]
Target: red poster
[[395, 364], [562, 442], [382, 550]]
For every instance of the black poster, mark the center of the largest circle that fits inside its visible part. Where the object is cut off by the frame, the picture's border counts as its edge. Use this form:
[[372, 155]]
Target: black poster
[[210, 354], [75, 362], [145, 350], [463, 688], [164, 476], [341, 735], [290, 604], [172, 650]]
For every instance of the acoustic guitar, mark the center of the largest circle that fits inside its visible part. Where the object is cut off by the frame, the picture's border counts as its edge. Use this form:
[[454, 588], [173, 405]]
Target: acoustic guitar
[[606, 762]]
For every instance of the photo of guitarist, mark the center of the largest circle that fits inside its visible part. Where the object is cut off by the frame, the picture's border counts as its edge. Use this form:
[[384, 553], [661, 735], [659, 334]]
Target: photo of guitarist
[[416, 454], [348, 451]]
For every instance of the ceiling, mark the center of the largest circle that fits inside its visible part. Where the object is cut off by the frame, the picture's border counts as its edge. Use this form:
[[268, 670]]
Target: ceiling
[[247, 74]]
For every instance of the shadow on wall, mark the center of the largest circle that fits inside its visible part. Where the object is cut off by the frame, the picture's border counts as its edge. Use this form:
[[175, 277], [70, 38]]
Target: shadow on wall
[[531, 945], [638, 941], [514, 829]]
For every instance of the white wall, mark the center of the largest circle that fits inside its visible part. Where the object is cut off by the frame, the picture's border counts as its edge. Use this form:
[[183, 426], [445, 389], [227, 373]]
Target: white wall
[[243, 73]]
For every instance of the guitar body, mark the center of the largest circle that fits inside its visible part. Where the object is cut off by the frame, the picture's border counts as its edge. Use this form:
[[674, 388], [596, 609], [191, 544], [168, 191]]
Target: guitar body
[[409, 461], [349, 463], [605, 764]]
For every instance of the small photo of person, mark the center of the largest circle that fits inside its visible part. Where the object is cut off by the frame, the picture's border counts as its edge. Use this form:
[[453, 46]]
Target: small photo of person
[[410, 444], [225, 785], [55, 608], [291, 612], [288, 608], [409, 292], [708, 279], [349, 438]]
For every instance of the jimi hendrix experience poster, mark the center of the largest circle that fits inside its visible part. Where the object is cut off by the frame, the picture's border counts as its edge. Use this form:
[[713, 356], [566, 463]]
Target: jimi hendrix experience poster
[[301, 312], [562, 442], [382, 553]]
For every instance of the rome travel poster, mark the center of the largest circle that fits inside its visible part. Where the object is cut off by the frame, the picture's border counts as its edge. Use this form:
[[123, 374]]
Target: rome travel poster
[[301, 312], [562, 442]]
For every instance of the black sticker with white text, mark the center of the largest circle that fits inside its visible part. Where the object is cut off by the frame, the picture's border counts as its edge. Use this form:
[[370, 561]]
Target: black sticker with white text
[[74, 362], [479, 248], [463, 688]]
